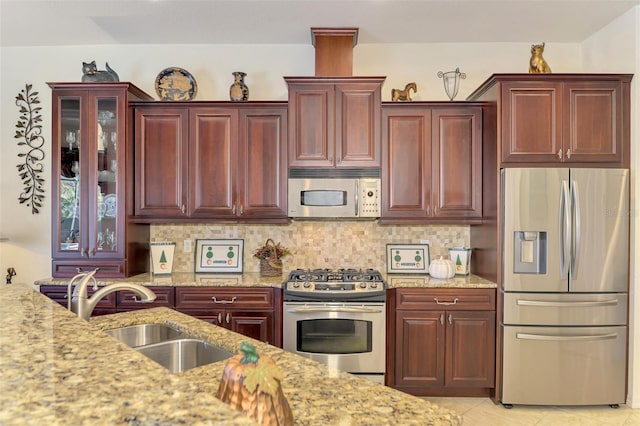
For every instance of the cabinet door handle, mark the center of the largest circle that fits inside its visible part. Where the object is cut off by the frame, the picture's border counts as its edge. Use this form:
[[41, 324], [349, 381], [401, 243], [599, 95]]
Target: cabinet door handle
[[228, 318], [183, 209], [233, 209], [428, 210], [220, 318], [435, 299], [450, 320], [569, 153], [224, 302], [441, 319], [241, 209], [559, 154]]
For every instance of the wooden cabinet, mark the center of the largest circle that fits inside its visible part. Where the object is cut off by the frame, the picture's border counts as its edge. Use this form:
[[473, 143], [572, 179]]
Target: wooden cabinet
[[432, 163], [334, 121], [92, 168], [442, 341], [58, 293], [211, 161], [129, 301], [252, 311], [572, 119]]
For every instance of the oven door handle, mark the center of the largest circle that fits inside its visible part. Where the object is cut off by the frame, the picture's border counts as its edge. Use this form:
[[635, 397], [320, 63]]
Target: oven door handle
[[348, 309]]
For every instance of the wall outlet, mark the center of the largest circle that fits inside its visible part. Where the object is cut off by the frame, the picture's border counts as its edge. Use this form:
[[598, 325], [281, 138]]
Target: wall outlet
[[187, 246], [425, 242]]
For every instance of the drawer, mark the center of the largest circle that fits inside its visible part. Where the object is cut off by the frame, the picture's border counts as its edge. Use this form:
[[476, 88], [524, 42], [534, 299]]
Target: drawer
[[478, 299], [59, 294], [230, 297], [165, 297], [577, 309]]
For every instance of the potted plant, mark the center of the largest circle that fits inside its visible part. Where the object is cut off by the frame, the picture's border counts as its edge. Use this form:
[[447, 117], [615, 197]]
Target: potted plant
[[270, 255]]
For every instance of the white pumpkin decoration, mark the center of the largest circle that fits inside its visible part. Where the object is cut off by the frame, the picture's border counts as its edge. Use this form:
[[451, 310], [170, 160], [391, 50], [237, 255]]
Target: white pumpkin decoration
[[442, 268]]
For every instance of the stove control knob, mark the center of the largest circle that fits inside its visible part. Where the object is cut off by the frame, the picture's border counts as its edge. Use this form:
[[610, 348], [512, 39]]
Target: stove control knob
[[307, 285], [296, 285], [363, 285], [374, 285]]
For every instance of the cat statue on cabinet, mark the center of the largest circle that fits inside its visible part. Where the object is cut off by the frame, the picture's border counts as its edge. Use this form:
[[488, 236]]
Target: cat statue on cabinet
[[537, 64], [91, 74]]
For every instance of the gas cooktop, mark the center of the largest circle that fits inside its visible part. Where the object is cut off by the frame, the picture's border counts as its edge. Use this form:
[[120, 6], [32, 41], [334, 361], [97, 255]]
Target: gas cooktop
[[334, 284]]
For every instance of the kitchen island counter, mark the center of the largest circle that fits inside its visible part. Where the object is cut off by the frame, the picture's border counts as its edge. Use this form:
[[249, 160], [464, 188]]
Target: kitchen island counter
[[58, 369]]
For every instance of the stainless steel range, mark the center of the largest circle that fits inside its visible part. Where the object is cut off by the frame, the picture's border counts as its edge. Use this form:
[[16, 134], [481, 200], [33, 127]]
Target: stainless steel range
[[337, 317]]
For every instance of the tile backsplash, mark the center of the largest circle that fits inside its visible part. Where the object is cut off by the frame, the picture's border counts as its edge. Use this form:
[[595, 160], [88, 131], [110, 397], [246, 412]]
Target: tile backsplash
[[315, 244]]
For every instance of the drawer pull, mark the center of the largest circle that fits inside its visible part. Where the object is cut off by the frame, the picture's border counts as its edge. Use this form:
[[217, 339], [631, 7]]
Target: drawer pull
[[435, 299], [220, 318], [224, 302]]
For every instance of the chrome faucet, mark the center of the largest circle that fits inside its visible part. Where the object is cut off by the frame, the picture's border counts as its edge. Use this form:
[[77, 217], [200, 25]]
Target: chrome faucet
[[83, 306]]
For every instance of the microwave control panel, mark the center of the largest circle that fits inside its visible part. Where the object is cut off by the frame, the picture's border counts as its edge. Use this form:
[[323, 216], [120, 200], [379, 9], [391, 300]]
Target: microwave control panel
[[369, 193]]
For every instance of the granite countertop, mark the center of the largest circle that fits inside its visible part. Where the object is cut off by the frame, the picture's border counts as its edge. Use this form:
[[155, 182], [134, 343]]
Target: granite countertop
[[58, 369], [189, 279]]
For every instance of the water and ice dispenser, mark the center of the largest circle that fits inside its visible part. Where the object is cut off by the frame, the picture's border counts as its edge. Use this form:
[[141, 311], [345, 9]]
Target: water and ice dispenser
[[530, 252]]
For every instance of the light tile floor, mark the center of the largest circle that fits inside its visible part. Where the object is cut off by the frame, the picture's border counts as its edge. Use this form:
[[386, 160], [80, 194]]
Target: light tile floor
[[483, 412]]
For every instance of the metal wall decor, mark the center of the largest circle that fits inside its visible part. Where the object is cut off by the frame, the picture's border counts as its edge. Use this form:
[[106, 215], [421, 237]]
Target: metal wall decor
[[29, 134], [451, 80]]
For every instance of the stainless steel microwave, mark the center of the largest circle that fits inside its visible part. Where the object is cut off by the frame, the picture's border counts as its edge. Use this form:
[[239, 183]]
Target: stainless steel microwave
[[342, 197]]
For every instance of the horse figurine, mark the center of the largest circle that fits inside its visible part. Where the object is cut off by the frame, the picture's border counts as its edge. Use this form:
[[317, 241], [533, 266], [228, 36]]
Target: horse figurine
[[403, 95]]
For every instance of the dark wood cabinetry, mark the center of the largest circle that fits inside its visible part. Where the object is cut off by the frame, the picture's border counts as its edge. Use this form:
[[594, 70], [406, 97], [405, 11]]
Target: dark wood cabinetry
[[58, 293], [571, 119], [92, 168], [128, 301], [211, 162], [441, 341], [432, 163], [247, 310], [334, 121]]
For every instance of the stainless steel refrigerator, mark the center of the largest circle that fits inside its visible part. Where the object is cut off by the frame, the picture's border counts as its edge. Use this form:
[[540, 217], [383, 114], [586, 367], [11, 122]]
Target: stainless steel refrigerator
[[565, 285]]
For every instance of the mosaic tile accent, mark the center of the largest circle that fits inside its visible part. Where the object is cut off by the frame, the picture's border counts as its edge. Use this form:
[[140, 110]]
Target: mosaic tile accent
[[315, 244]]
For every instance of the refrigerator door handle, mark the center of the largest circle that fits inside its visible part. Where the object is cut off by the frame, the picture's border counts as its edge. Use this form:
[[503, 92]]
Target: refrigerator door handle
[[564, 229], [544, 303], [527, 336], [575, 240]]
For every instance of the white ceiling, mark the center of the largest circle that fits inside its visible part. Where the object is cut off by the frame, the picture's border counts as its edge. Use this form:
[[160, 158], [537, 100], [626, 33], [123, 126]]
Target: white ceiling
[[95, 22]]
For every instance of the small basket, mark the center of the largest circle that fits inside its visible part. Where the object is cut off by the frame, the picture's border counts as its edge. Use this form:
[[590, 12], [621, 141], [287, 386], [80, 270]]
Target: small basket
[[270, 268]]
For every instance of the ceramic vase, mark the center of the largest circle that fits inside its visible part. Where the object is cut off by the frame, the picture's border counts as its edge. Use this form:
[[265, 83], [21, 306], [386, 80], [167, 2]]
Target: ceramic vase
[[239, 91]]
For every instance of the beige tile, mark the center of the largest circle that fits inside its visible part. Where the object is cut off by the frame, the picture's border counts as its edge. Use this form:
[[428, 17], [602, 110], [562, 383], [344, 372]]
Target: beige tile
[[483, 412], [604, 415], [633, 419], [460, 405], [489, 414]]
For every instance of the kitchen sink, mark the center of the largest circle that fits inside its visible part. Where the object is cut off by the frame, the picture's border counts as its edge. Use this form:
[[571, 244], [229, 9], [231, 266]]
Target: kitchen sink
[[184, 354], [145, 334]]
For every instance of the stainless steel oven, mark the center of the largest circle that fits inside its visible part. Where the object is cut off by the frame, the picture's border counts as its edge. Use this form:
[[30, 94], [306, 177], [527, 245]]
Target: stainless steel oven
[[336, 322]]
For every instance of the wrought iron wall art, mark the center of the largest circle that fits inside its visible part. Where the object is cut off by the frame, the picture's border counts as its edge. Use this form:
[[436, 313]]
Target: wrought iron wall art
[[29, 134]]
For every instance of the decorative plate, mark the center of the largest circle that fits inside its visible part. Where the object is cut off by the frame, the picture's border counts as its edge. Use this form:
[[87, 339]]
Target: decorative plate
[[110, 205], [176, 84]]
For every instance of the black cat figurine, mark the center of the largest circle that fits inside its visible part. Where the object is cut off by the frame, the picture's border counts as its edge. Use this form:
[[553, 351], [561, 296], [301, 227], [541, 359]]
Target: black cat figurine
[[91, 74]]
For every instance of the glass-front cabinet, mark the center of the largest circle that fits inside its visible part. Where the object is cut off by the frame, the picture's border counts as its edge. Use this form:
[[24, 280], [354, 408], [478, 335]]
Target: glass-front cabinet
[[90, 174]]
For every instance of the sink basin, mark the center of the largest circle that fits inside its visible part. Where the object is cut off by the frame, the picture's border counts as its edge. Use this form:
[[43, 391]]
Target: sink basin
[[145, 334], [184, 354]]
